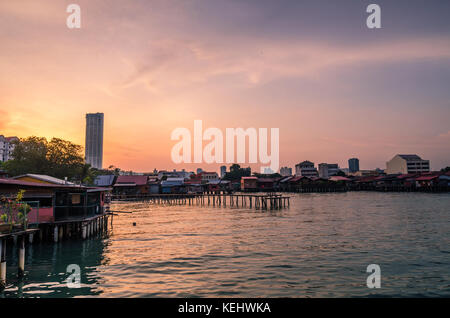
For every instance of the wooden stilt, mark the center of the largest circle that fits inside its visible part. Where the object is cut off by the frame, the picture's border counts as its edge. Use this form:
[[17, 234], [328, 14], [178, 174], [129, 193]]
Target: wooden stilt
[[55, 234], [2, 264], [21, 269]]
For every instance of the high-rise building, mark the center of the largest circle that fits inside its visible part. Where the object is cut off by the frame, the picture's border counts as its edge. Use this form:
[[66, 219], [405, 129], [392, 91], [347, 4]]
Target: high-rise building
[[328, 169], [94, 140], [285, 171], [223, 171], [306, 169], [407, 164], [353, 165], [6, 147]]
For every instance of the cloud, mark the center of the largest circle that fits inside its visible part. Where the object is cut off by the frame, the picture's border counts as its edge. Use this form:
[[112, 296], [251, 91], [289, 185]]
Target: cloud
[[178, 63]]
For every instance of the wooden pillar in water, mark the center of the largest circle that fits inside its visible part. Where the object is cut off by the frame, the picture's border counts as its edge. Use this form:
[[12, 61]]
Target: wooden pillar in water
[[21, 269], [2, 263], [61, 232], [55, 233]]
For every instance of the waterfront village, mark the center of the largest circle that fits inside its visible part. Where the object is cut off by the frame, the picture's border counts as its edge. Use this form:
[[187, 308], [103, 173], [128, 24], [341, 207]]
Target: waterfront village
[[43, 207]]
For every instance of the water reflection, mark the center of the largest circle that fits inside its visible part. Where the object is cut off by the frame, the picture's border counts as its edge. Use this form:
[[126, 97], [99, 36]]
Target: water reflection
[[319, 247], [46, 265]]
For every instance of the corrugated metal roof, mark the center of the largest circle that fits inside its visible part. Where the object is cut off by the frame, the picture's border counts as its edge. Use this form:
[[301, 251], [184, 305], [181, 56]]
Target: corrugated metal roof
[[104, 180], [38, 184], [45, 178], [138, 180], [410, 157], [427, 178], [266, 180], [339, 178], [286, 179], [297, 178]]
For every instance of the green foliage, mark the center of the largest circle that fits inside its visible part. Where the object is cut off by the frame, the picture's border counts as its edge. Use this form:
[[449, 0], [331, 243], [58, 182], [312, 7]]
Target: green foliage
[[263, 175], [340, 173], [236, 172], [58, 158], [29, 157], [446, 169], [14, 211]]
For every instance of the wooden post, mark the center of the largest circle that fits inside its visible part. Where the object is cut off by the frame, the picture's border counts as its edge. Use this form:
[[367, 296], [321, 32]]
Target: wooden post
[[2, 263], [55, 234], [61, 232], [21, 269]]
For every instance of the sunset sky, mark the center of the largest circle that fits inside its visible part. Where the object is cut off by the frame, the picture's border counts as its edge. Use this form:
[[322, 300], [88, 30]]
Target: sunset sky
[[335, 88]]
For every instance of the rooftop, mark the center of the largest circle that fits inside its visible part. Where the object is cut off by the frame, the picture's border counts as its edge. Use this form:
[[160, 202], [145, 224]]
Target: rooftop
[[45, 178], [137, 180], [410, 157]]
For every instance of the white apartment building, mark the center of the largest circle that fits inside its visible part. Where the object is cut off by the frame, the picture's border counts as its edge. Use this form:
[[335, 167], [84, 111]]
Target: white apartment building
[[405, 164], [7, 147], [327, 170], [174, 174], [306, 169]]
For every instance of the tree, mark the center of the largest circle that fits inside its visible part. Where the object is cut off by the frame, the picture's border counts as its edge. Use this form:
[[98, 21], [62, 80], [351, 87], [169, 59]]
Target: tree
[[236, 172], [58, 158], [340, 173], [265, 175], [446, 169], [29, 156], [65, 159]]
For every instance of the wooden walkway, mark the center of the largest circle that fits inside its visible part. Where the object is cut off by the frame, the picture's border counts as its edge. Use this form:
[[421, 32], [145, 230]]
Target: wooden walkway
[[56, 231], [257, 201]]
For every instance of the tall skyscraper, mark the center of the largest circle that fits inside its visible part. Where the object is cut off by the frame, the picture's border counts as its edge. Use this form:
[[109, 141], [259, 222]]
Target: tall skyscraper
[[94, 140], [353, 165]]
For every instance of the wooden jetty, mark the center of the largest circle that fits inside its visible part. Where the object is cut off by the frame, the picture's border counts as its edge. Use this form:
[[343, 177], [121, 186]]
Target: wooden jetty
[[256, 201], [57, 212], [55, 231]]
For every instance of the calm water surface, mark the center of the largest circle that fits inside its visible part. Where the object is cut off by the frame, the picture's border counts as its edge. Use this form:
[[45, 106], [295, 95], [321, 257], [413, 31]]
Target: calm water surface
[[319, 247]]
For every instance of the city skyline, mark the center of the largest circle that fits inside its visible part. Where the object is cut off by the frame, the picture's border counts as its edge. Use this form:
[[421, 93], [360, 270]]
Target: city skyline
[[334, 88]]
